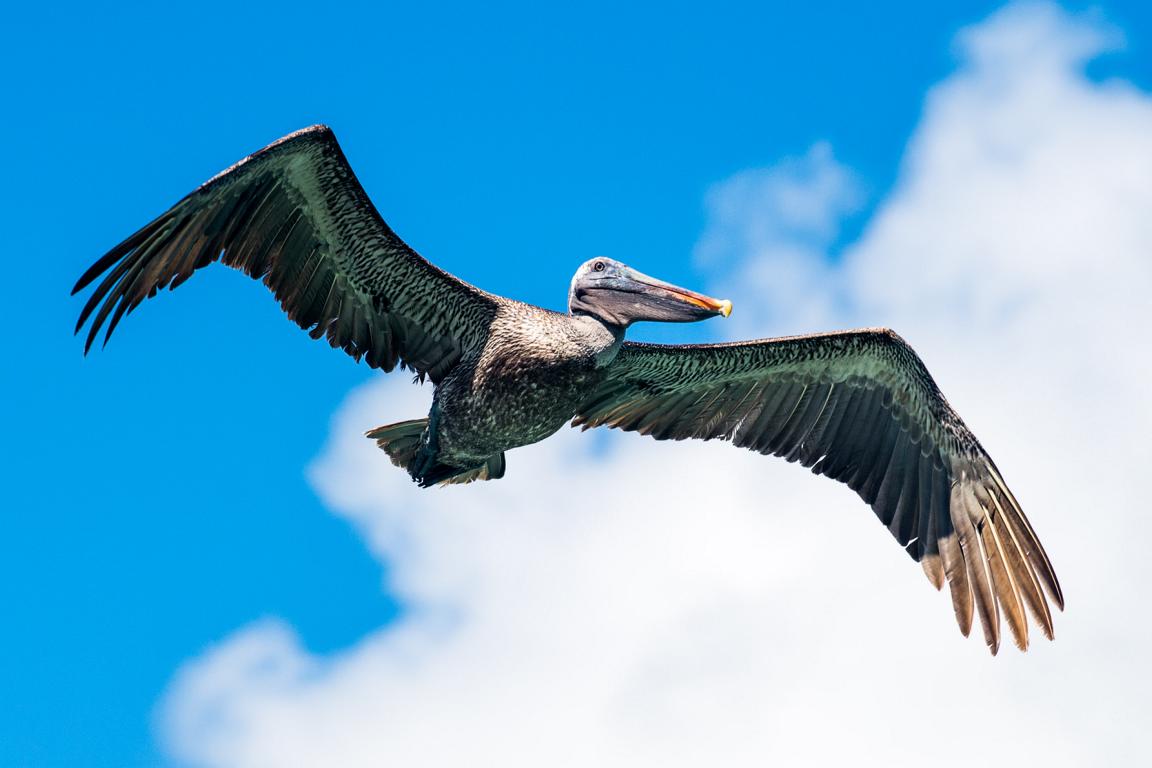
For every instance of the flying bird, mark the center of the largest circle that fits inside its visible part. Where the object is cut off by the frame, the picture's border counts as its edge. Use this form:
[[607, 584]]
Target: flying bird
[[856, 406]]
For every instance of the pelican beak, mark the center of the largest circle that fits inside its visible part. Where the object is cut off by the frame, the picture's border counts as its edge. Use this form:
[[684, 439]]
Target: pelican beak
[[679, 304]]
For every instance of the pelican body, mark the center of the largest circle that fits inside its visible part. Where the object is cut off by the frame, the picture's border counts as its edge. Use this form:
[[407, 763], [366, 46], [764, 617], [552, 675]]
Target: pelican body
[[533, 372], [523, 386], [856, 406]]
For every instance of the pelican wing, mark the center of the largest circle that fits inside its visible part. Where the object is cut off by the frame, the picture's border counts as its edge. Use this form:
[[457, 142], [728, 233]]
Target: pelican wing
[[294, 215], [859, 407]]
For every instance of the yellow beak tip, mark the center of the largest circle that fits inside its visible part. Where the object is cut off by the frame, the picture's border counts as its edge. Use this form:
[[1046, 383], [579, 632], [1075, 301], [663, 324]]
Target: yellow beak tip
[[725, 307]]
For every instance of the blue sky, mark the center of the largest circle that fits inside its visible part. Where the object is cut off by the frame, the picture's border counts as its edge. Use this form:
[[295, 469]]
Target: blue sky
[[157, 496]]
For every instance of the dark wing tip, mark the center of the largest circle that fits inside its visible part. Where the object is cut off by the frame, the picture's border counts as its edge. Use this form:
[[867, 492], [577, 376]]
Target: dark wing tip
[[126, 248], [1052, 584], [97, 269]]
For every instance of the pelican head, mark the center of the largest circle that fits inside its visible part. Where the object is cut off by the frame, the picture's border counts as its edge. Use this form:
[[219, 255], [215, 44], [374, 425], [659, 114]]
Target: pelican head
[[619, 295]]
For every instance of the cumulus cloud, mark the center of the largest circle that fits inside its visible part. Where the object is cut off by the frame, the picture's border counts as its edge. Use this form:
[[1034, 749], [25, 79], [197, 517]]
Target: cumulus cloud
[[623, 602], [768, 235]]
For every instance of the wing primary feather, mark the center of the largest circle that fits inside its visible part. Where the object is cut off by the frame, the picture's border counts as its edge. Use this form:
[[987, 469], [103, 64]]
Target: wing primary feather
[[976, 559], [938, 525], [1007, 596], [1023, 573], [934, 523], [181, 257], [129, 294], [117, 253], [1035, 552], [112, 279], [956, 572], [110, 290]]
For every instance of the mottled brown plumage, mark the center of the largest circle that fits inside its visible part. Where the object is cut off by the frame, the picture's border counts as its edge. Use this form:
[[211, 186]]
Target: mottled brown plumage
[[856, 406]]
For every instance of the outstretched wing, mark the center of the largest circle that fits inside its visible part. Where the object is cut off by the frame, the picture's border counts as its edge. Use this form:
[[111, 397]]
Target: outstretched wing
[[861, 408], [294, 215]]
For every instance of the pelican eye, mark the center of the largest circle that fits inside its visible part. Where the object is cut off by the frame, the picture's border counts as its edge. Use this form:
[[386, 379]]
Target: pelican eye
[[599, 266]]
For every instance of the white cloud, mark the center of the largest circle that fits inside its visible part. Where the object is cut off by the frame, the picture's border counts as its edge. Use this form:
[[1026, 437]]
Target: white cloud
[[769, 231], [693, 604]]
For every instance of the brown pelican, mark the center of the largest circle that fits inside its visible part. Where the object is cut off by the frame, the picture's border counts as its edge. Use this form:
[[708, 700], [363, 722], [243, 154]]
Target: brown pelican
[[856, 406]]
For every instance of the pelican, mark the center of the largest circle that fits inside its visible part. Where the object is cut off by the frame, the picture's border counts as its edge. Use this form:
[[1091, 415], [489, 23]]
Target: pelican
[[856, 406]]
